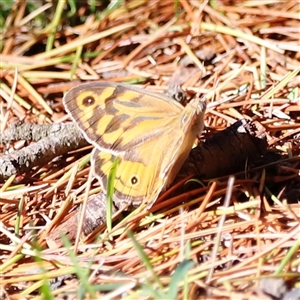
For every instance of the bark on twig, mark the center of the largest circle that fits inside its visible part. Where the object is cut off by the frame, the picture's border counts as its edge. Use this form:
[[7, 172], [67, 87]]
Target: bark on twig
[[53, 140], [95, 216], [34, 132]]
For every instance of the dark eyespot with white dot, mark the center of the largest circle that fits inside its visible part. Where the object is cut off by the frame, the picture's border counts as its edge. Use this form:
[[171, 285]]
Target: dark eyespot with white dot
[[88, 101], [134, 180]]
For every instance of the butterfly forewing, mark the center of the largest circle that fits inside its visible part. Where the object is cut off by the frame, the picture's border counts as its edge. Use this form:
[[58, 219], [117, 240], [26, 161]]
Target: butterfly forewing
[[104, 111]]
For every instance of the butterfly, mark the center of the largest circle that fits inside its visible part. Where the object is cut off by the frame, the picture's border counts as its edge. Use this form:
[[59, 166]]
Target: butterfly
[[150, 134]]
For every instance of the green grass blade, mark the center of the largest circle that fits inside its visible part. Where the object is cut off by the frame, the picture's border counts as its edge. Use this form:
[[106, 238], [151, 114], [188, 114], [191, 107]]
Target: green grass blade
[[177, 277], [55, 23], [82, 273], [110, 189], [288, 257], [281, 84], [145, 259]]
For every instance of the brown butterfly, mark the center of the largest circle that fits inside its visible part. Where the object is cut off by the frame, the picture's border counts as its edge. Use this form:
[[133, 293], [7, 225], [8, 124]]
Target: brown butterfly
[[150, 134]]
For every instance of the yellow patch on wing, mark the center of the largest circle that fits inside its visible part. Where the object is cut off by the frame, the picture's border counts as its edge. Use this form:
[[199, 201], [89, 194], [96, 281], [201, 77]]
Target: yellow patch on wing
[[102, 124], [112, 137]]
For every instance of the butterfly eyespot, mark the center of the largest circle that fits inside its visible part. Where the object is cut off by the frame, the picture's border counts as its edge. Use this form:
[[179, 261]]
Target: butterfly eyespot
[[134, 180], [88, 101]]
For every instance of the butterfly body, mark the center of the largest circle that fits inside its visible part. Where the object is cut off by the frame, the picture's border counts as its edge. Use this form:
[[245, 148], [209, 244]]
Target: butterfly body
[[151, 134]]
